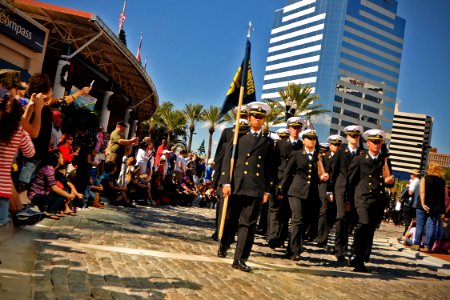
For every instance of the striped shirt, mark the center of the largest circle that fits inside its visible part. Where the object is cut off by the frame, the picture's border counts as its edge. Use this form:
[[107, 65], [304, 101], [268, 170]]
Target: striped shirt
[[19, 141]]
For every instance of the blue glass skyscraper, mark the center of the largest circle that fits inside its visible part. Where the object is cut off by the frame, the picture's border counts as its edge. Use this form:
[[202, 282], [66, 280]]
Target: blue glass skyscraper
[[348, 51]]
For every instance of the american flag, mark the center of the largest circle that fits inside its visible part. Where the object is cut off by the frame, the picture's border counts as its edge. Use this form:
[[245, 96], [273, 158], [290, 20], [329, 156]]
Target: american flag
[[138, 54], [122, 16]]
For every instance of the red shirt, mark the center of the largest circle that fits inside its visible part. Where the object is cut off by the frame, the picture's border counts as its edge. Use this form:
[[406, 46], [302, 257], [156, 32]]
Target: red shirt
[[159, 152], [67, 153]]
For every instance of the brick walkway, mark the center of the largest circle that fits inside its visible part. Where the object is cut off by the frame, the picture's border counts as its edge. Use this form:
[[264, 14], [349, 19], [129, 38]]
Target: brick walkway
[[167, 253]]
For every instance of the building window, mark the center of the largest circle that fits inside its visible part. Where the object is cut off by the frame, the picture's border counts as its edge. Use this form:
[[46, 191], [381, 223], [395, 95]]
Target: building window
[[352, 103], [345, 123], [335, 121], [338, 99], [336, 109], [349, 113], [371, 109], [372, 98]]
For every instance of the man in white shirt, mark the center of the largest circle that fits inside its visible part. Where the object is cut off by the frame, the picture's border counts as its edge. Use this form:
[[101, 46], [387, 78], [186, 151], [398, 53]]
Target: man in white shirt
[[180, 166]]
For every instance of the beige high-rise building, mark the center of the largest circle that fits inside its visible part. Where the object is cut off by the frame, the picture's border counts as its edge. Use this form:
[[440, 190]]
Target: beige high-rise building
[[410, 142]]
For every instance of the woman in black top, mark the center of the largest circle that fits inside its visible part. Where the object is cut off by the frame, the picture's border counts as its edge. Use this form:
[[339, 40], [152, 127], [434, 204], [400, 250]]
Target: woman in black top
[[432, 197]]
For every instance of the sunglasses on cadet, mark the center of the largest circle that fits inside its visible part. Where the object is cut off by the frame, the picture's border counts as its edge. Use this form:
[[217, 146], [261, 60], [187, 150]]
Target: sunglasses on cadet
[[376, 142], [353, 135], [258, 116], [335, 144], [310, 138]]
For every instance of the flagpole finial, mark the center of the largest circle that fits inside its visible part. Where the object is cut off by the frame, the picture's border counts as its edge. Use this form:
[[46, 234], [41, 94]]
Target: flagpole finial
[[250, 29]]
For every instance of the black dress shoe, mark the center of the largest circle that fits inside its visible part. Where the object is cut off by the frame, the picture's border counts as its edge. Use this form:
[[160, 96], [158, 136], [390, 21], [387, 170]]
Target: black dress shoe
[[353, 262], [222, 253], [321, 245], [361, 268], [340, 258], [296, 257], [331, 250], [214, 236], [240, 265]]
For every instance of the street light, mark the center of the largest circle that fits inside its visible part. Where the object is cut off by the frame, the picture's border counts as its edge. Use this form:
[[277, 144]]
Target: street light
[[291, 107]]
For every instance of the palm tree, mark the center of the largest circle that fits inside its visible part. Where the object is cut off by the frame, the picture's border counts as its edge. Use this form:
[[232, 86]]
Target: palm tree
[[193, 113], [303, 100], [211, 117], [170, 118]]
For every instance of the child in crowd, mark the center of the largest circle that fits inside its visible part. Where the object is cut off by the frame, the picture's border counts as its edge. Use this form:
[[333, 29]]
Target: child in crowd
[[114, 192]]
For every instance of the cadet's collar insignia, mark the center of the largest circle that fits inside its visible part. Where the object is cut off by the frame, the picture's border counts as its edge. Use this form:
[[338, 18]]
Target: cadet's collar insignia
[[346, 150], [367, 156], [329, 156], [304, 152]]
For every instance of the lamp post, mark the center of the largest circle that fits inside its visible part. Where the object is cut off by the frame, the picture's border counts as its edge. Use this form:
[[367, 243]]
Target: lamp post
[[291, 107]]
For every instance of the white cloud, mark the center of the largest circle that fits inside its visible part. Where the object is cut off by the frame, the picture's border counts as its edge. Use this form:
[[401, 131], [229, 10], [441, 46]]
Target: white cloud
[[321, 119]]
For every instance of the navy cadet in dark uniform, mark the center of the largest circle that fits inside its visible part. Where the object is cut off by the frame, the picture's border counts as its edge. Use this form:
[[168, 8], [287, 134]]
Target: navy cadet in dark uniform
[[343, 193], [300, 183], [251, 182], [367, 174], [327, 214], [225, 138], [279, 210], [283, 134]]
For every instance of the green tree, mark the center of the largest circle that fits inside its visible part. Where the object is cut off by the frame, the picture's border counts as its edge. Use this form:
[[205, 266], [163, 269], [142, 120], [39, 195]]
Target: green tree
[[192, 113], [172, 120], [447, 175], [122, 36], [303, 99], [211, 117], [201, 149]]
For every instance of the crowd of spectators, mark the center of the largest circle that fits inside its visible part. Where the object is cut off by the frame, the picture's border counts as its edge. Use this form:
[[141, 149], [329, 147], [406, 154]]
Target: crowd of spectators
[[56, 171]]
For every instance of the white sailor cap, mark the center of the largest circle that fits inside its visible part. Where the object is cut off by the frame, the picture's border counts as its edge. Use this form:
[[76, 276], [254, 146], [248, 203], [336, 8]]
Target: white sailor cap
[[335, 139], [353, 129], [294, 121], [244, 111], [324, 145], [259, 108], [243, 121], [308, 133], [374, 135], [283, 132]]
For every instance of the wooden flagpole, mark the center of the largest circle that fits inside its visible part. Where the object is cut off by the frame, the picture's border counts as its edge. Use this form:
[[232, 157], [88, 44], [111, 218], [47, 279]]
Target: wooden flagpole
[[235, 137]]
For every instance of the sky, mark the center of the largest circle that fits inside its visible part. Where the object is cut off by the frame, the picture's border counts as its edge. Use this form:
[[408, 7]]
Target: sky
[[195, 47]]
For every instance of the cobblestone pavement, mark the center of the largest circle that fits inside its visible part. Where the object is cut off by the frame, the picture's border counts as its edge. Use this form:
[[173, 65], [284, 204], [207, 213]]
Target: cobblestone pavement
[[167, 253]]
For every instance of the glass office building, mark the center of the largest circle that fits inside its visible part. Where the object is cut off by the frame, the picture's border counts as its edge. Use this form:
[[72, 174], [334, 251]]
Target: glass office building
[[348, 51]]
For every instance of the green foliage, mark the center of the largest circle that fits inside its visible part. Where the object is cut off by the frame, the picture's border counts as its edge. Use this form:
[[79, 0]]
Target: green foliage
[[169, 119], [212, 117], [301, 95], [447, 175], [193, 114], [122, 36], [201, 148]]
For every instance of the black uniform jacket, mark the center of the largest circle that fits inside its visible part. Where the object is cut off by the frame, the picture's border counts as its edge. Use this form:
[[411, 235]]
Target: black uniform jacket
[[253, 168], [366, 175], [225, 138], [283, 152], [340, 169], [300, 177], [327, 161]]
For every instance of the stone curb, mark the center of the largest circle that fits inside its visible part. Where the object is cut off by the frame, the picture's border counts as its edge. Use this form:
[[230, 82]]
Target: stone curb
[[442, 266]]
